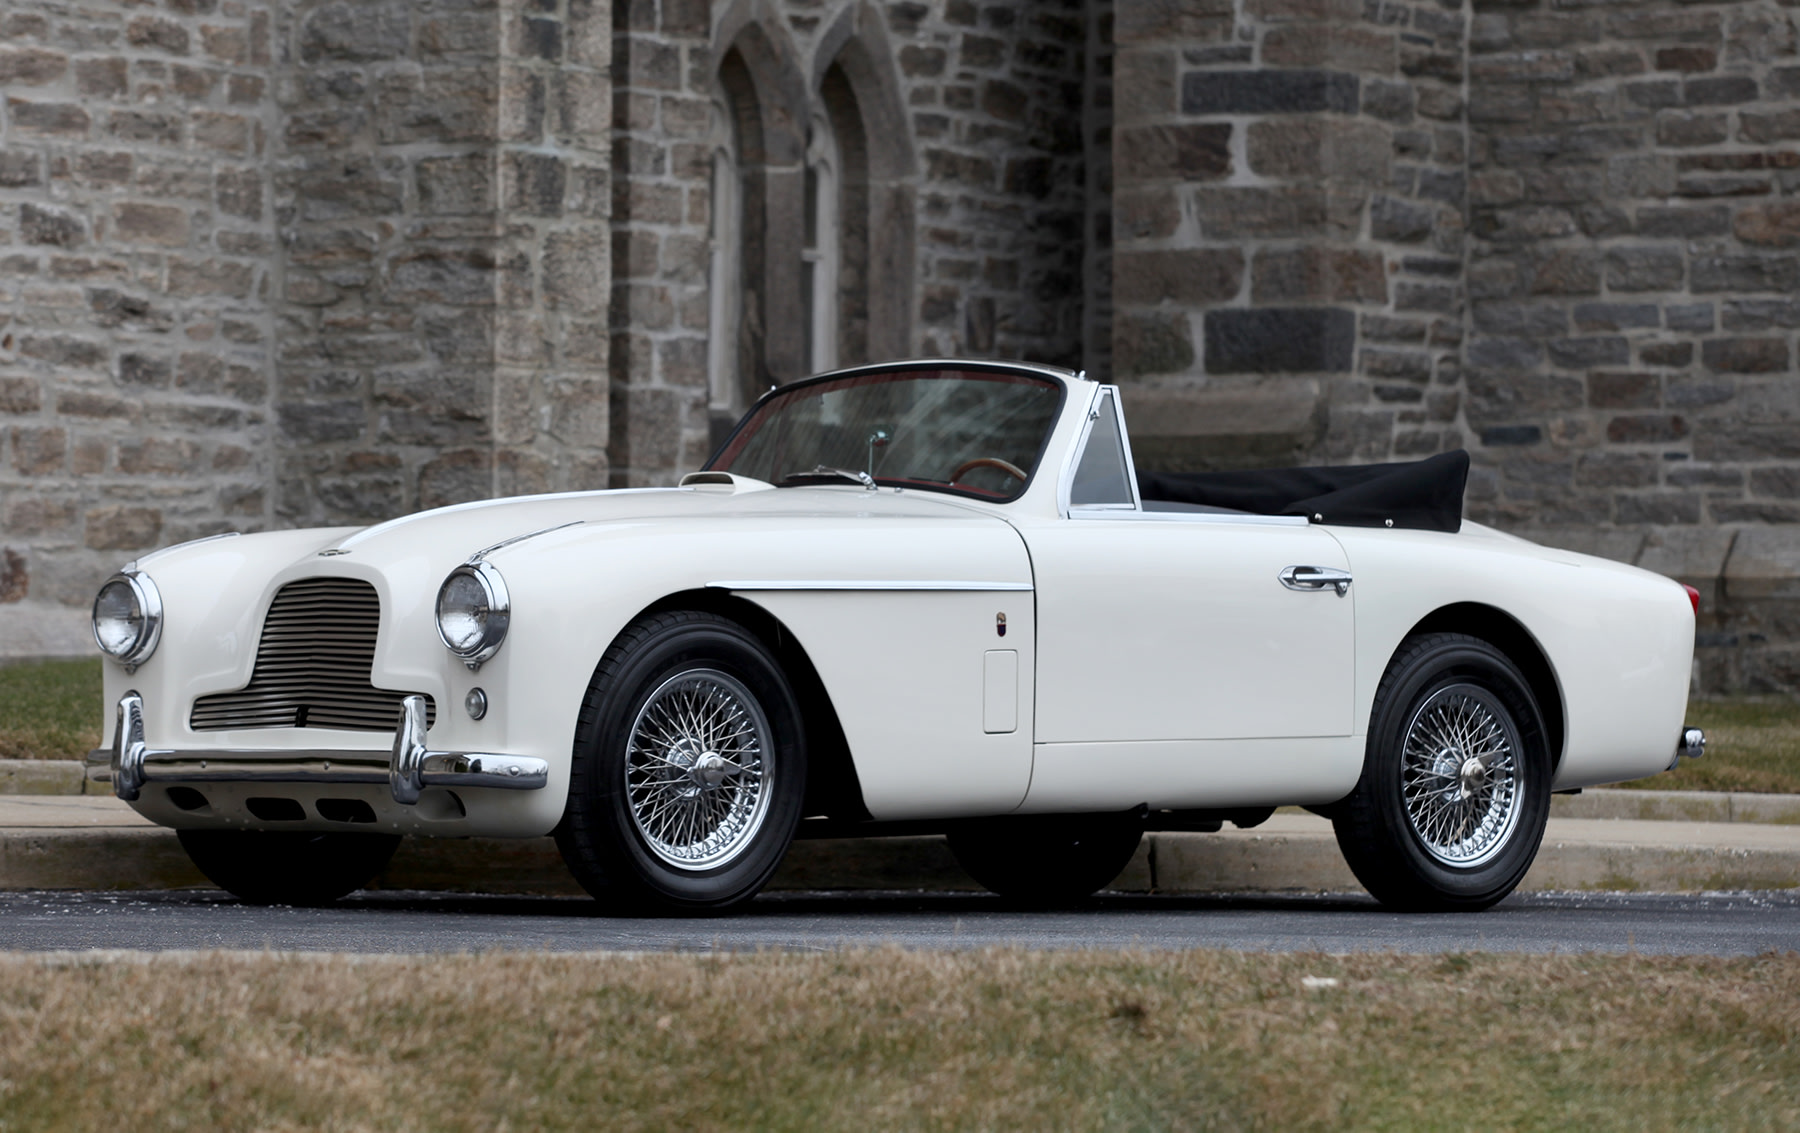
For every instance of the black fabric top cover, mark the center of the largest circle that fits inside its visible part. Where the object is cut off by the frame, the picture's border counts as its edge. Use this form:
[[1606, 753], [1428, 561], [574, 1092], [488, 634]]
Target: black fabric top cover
[[1423, 494]]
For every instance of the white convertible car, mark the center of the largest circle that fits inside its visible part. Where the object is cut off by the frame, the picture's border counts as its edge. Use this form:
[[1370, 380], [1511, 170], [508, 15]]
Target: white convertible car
[[925, 596]]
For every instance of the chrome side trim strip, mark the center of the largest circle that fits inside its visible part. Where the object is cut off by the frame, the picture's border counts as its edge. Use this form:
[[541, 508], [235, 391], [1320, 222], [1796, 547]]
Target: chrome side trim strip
[[861, 584]]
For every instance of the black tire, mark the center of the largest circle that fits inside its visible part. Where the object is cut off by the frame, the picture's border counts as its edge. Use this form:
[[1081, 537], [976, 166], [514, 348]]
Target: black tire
[[1464, 836], [288, 867], [614, 845], [1049, 859]]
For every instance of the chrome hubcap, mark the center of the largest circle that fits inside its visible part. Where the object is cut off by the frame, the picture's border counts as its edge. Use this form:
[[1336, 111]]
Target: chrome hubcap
[[695, 778], [1460, 775]]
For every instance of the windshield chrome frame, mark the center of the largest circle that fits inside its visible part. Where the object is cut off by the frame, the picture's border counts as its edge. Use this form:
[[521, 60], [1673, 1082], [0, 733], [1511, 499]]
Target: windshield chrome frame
[[1062, 379]]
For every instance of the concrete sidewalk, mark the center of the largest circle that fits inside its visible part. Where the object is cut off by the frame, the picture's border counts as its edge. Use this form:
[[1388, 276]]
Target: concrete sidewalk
[[97, 842]]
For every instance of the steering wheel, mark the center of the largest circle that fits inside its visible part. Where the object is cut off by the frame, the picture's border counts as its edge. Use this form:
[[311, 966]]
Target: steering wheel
[[1007, 467]]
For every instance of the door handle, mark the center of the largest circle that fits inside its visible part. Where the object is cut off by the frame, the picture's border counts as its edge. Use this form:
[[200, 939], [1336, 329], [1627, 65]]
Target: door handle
[[1316, 578]]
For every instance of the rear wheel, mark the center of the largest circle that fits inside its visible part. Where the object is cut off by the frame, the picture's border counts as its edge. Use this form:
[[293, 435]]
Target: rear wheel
[[288, 867], [1455, 789], [689, 768], [1048, 859]]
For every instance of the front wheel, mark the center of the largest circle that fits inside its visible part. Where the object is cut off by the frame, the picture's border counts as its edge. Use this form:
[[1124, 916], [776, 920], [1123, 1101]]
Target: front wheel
[[1048, 859], [689, 769], [287, 867], [1455, 789]]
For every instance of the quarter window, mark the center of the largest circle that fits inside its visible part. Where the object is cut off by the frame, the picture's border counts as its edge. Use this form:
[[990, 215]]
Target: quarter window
[[1102, 476]]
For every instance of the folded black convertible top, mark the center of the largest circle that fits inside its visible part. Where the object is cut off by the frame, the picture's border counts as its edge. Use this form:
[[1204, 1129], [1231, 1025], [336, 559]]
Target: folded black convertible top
[[1422, 494]]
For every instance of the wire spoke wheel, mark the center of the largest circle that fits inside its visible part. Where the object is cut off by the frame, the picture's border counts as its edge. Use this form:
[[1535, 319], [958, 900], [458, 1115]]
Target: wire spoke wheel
[[696, 776], [1461, 775]]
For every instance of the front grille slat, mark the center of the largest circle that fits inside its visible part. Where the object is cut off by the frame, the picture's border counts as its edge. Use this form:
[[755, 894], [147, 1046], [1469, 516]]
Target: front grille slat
[[315, 655]]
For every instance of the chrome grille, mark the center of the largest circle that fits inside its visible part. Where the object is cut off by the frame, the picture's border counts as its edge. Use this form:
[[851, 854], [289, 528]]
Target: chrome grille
[[312, 666]]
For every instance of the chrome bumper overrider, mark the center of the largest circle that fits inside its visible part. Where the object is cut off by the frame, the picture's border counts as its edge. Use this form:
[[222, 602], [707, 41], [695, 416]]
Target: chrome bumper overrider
[[1691, 745], [407, 767]]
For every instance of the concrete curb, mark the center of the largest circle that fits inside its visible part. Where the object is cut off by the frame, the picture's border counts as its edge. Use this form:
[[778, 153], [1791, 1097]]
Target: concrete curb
[[45, 777], [1290, 853], [1678, 806]]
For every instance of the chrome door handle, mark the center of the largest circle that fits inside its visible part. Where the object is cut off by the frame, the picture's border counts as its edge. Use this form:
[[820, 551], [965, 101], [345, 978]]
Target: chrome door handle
[[1316, 578]]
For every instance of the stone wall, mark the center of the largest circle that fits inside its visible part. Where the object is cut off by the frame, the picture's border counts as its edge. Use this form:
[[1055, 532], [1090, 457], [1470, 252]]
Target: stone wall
[[137, 247], [441, 190], [1633, 273], [1288, 219], [327, 261]]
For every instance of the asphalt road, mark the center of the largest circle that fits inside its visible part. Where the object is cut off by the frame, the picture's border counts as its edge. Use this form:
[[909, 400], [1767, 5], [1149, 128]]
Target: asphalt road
[[1716, 924]]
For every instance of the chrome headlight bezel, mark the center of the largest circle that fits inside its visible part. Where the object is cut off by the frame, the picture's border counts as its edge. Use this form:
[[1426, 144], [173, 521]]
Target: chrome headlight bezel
[[147, 607], [494, 622]]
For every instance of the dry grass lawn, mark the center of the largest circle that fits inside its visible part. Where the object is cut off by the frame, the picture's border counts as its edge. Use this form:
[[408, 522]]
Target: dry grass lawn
[[50, 709], [900, 1040], [1751, 745]]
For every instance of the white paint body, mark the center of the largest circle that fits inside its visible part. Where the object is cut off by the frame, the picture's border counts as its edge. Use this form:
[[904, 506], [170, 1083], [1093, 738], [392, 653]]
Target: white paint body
[[1148, 657]]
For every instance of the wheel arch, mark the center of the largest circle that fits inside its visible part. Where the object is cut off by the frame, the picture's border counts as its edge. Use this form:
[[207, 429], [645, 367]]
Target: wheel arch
[[832, 786], [1507, 634]]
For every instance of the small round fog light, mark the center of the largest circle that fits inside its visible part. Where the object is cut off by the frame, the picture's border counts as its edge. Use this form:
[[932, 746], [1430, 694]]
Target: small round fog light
[[476, 703]]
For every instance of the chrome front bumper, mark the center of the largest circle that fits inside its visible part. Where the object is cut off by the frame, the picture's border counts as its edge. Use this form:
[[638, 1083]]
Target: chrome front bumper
[[407, 767]]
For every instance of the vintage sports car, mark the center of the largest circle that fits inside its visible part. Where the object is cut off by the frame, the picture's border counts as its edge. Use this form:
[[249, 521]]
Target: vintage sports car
[[925, 596]]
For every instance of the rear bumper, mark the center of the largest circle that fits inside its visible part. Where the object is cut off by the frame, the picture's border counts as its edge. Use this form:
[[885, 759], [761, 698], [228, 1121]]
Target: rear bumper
[[407, 766]]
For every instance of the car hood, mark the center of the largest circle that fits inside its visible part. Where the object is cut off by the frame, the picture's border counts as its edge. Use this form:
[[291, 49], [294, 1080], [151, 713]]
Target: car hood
[[463, 530]]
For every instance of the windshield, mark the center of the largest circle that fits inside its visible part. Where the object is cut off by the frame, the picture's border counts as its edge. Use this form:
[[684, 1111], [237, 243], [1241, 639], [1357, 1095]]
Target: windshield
[[973, 432]]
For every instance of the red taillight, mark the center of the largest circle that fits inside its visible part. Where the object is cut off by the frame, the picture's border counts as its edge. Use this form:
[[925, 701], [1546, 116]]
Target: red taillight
[[1694, 597]]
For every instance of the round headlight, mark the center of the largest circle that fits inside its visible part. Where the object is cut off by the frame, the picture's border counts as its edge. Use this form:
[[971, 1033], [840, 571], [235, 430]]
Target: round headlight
[[472, 612], [128, 618]]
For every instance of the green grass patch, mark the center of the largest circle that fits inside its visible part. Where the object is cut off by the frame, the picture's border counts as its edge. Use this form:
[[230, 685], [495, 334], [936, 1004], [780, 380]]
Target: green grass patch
[[1751, 745], [50, 709], [884, 1039]]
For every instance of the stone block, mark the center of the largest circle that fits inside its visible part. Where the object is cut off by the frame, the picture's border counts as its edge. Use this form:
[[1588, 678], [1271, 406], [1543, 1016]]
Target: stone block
[[225, 278], [355, 33], [47, 119], [1673, 354], [1159, 22], [1151, 344], [1681, 129], [137, 222], [1357, 50], [1746, 273], [1775, 225], [1311, 148], [1268, 92], [1189, 152], [1745, 355], [1683, 221], [577, 270], [39, 225], [31, 67], [1645, 268], [1145, 213], [1240, 213], [456, 477], [1319, 274], [1187, 276], [122, 528], [1764, 563], [1143, 84], [39, 451], [153, 33], [1723, 90], [1616, 316], [318, 422], [1280, 340], [1646, 428]]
